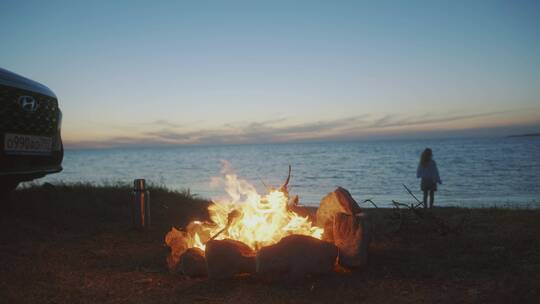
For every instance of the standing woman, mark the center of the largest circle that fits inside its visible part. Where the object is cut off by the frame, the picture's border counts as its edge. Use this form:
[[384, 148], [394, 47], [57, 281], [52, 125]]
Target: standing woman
[[428, 172]]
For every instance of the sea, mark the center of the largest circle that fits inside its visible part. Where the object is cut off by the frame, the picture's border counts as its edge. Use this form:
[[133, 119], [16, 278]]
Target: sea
[[476, 172]]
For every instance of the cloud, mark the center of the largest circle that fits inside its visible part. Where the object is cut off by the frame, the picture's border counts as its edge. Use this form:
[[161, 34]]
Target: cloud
[[395, 121], [165, 123], [282, 130]]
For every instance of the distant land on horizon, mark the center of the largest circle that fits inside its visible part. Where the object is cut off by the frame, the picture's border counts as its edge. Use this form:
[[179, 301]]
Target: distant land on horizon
[[526, 135]]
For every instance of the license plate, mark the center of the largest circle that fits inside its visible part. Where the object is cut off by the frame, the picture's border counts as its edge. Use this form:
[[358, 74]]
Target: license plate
[[27, 144]]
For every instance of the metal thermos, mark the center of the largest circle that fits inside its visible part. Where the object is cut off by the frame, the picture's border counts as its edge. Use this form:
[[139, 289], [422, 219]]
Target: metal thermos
[[141, 205]]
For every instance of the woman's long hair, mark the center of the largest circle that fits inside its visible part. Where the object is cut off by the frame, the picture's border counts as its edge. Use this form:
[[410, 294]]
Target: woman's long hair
[[426, 156]]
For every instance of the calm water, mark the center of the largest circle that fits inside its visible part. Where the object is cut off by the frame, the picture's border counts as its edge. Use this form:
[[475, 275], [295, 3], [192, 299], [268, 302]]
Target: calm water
[[475, 172]]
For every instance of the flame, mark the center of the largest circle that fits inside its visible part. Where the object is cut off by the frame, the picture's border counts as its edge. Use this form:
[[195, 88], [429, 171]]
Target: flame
[[248, 217]]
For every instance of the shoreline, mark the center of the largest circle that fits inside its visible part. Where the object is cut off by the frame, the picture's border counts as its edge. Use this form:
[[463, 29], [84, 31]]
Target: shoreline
[[533, 204]]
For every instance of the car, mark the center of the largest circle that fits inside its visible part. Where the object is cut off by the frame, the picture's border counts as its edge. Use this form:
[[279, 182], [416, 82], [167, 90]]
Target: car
[[30, 131]]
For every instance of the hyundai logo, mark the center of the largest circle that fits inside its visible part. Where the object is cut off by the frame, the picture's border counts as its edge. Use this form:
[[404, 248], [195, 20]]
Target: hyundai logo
[[28, 103]]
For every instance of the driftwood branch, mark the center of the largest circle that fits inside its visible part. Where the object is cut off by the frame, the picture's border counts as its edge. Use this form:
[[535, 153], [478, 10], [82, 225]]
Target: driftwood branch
[[414, 196], [370, 201], [442, 226], [414, 208]]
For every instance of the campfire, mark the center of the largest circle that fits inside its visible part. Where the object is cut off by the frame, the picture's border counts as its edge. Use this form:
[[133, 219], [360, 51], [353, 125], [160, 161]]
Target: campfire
[[265, 234]]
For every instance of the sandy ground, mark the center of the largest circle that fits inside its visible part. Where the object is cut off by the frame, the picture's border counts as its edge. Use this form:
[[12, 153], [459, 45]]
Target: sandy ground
[[74, 244]]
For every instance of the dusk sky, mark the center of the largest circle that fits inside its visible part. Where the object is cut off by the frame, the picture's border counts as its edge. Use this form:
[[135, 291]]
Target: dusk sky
[[210, 72]]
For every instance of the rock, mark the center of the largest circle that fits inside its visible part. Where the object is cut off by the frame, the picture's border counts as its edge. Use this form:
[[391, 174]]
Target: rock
[[178, 242], [351, 236], [338, 201], [227, 258], [193, 263], [296, 256]]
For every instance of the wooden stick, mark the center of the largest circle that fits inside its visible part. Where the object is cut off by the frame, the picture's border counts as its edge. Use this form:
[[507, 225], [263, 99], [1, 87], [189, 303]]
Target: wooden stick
[[230, 218], [264, 184], [284, 188], [396, 206]]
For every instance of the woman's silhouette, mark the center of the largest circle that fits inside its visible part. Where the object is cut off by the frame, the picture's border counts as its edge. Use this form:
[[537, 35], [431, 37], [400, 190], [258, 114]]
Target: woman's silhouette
[[428, 172]]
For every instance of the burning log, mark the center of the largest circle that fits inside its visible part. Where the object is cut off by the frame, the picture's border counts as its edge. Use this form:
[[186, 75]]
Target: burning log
[[199, 228], [242, 224], [296, 256], [193, 263], [227, 258], [178, 241], [338, 201], [351, 236]]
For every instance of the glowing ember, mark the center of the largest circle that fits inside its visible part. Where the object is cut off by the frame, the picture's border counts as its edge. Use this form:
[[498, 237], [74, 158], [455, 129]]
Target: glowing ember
[[248, 217]]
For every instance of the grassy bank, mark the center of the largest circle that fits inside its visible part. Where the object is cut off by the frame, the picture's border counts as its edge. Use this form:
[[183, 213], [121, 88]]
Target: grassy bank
[[73, 244]]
